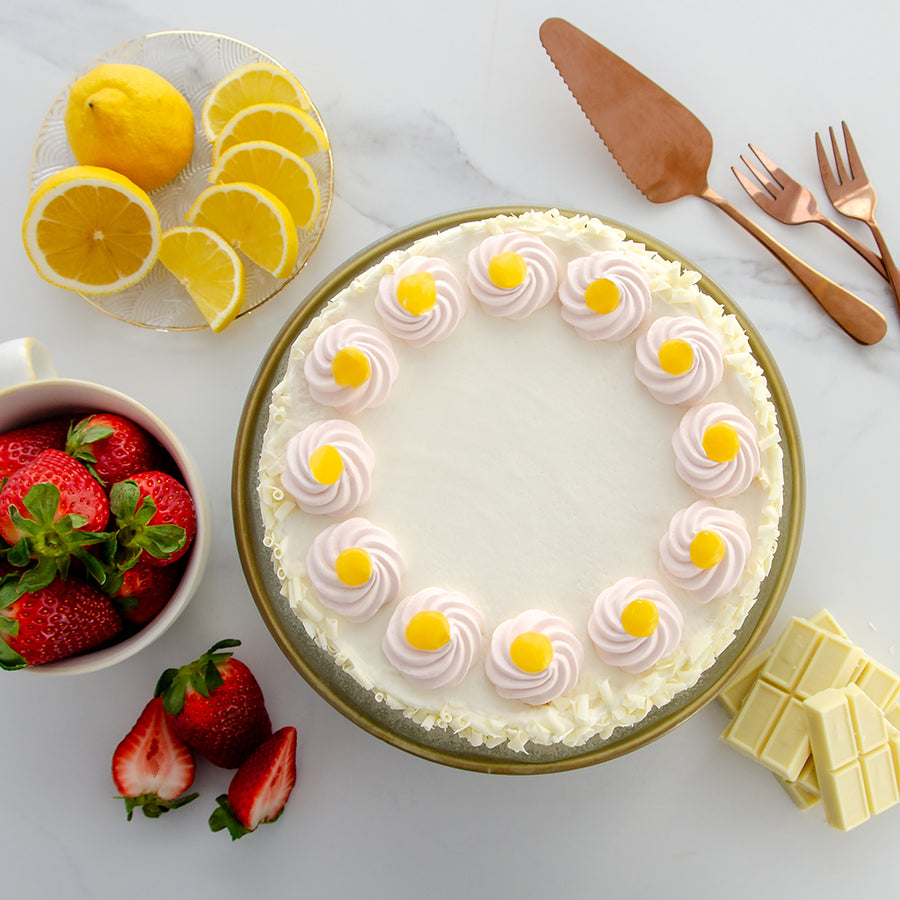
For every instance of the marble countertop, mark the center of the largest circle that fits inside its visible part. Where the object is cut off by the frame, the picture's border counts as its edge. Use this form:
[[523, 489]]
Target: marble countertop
[[431, 108]]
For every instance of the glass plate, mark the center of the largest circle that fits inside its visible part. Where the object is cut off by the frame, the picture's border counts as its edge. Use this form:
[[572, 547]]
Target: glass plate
[[359, 705], [193, 61]]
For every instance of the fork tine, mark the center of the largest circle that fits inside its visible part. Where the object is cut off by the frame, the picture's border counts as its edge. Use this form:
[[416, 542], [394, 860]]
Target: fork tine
[[772, 187], [856, 166], [842, 173], [773, 168], [828, 178], [757, 194]]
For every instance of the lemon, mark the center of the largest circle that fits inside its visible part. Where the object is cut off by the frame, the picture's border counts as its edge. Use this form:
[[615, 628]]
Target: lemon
[[130, 119], [250, 84], [91, 230], [286, 175], [292, 128], [253, 220], [211, 272]]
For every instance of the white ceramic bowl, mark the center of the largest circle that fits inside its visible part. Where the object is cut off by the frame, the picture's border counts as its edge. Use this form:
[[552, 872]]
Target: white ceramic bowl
[[30, 391]]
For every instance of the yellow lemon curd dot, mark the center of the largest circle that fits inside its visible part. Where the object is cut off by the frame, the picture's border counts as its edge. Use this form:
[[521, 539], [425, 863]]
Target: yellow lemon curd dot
[[640, 618], [721, 442], [325, 464], [416, 293], [602, 296], [531, 651], [676, 356], [428, 630], [707, 549], [353, 566], [350, 367], [507, 270]]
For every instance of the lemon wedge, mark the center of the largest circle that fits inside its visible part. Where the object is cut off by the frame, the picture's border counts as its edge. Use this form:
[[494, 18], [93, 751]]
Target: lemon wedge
[[253, 220], [211, 272], [246, 86], [288, 126], [288, 176], [90, 229]]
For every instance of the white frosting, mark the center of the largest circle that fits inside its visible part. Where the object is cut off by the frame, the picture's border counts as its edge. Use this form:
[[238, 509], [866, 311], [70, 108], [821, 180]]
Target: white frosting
[[538, 287], [448, 665], [353, 486], [534, 688], [373, 344], [356, 603], [675, 550], [614, 644], [526, 473], [707, 477], [436, 324], [634, 296], [704, 374]]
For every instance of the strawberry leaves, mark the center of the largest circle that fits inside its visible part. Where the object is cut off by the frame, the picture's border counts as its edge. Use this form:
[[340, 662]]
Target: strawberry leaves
[[202, 675], [137, 533]]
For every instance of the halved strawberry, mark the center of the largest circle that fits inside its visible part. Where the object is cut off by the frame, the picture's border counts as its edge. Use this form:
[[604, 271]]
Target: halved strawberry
[[51, 510], [21, 445], [260, 787], [155, 518], [152, 767], [216, 706], [57, 621], [112, 447]]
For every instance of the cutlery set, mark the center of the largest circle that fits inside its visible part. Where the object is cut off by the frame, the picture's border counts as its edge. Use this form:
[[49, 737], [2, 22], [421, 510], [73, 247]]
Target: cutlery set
[[665, 151]]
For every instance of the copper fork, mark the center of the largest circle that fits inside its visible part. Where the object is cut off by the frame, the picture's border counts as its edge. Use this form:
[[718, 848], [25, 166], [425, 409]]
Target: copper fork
[[790, 202], [851, 193]]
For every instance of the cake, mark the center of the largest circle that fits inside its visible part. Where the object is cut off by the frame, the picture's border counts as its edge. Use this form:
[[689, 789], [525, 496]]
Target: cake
[[522, 480]]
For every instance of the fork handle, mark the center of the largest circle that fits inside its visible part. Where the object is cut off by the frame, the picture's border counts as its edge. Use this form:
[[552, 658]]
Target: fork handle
[[862, 322], [890, 268]]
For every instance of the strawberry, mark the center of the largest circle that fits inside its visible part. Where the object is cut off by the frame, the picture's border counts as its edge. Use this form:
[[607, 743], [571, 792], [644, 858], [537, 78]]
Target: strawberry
[[51, 510], [152, 767], [59, 620], [20, 446], [143, 591], [113, 448], [216, 706], [155, 518], [260, 788]]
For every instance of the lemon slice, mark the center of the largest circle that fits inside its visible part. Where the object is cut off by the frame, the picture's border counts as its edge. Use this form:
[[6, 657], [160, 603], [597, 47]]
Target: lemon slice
[[288, 126], [211, 272], [286, 175], [253, 83], [253, 220], [90, 229]]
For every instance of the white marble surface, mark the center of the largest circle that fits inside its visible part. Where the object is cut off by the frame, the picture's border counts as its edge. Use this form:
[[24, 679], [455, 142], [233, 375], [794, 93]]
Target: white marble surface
[[431, 108]]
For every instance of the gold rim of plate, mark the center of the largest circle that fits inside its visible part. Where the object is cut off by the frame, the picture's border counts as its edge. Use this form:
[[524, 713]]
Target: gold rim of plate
[[193, 61], [437, 745]]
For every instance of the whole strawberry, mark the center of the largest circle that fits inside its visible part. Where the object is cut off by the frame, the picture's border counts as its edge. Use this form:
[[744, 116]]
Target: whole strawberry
[[21, 445], [57, 621], [154, 517], [152, 767], [112, 447], [141, 592], [260, 788], [216, 706], [50, 511]]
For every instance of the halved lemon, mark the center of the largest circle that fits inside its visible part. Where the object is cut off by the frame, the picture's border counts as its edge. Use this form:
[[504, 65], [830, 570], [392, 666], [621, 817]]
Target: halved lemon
[[253, 220], [91, 230], [250, 84], [211, 272], [288, 126], [271, 166]]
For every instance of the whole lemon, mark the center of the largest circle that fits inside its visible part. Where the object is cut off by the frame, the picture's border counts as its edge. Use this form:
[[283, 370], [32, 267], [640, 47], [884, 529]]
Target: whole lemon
[[130, 119]]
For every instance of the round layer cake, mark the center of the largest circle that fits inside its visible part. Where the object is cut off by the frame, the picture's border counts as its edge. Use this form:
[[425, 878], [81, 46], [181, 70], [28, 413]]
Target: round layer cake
[[522, 480]]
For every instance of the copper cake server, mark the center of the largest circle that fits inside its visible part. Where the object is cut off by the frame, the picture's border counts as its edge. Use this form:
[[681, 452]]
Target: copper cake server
[[665, 151]]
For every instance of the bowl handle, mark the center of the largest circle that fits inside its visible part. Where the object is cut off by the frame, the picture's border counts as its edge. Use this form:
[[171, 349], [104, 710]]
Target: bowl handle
[[24, 359]]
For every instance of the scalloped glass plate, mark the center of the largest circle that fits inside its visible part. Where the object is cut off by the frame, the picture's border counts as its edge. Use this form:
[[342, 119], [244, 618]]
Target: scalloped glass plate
[[193, 61]]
